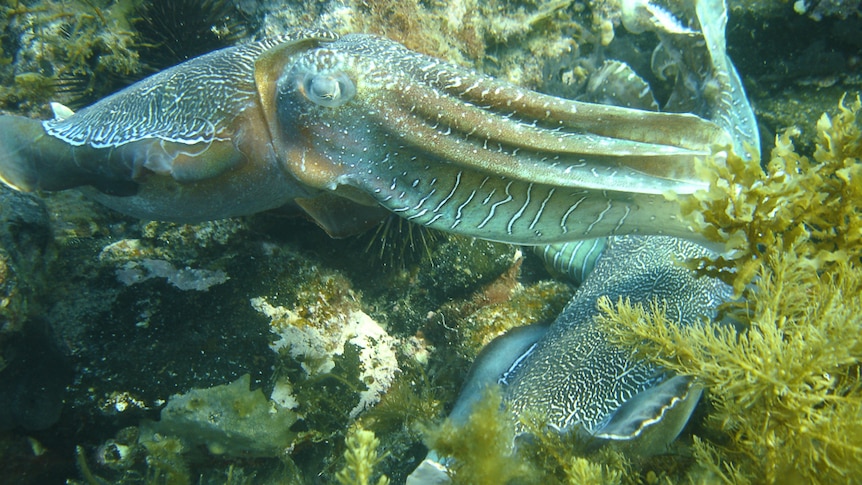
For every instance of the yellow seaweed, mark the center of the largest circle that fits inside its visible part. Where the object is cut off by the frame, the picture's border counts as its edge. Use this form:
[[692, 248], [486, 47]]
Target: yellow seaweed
[[482, 447], [361, 458], [810, 207], [785, 383]]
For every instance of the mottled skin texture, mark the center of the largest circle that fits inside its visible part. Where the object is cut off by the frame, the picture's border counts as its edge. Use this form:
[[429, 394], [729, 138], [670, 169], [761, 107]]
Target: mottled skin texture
[[345, 127], [573, 376]]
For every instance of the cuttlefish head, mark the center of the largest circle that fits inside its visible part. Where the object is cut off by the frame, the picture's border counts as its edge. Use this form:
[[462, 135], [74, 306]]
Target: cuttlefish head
[[365, 120]]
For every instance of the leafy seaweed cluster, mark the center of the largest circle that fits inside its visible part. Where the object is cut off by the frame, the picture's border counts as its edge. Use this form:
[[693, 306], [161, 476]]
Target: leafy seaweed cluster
[[83, 48], [810, 207], [786, 385], [482, 447]]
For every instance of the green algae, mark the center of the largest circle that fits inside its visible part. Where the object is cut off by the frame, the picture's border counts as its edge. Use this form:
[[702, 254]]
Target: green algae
[[361, 457]]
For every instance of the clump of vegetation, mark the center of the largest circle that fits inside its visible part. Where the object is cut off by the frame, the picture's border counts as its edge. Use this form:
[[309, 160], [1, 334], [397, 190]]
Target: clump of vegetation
[[482, 448], [785, 385], [361, 458], [65, 51], [538, 303], [810, 207], [487, 448], [413, 400], [564, 458], [582, 470]]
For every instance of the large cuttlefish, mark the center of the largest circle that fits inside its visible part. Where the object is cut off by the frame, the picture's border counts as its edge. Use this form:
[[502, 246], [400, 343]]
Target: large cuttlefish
[[345, 127]]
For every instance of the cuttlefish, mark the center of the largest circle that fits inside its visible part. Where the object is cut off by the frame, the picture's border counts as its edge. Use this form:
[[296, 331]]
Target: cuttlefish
[[351, 128], [568, 374]]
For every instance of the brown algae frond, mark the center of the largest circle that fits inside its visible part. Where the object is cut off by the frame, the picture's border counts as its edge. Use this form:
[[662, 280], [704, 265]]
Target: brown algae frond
[[811, 207], [785, 381]]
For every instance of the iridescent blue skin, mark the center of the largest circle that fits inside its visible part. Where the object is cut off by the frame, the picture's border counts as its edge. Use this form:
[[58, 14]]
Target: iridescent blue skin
[[350, 128]]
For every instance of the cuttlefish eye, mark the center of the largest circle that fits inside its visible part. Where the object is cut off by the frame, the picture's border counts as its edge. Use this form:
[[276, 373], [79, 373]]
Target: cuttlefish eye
[[329, 89]]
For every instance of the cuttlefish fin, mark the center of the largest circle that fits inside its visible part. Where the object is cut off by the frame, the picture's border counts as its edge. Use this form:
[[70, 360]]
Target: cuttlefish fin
[[669, 403], [61, 111], [341, 217]]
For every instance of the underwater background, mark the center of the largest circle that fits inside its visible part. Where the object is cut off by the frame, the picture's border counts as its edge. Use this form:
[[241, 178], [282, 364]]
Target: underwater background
[[259, 350]]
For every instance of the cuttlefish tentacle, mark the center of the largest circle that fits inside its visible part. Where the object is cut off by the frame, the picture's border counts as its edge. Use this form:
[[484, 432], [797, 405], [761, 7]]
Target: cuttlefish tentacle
[[469, 136]]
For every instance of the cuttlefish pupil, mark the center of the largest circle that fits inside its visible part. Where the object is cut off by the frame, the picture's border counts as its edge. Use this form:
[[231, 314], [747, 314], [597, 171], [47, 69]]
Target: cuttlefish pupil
[[328, 89]]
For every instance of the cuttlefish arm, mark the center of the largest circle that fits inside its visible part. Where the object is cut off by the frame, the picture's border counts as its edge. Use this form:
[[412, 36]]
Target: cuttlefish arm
[[346, 126], [454, 150]]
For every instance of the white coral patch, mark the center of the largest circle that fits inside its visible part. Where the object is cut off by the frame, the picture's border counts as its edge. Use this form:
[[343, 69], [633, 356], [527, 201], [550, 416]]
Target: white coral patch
[[316, 344], [282, 394], [377, 357]]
